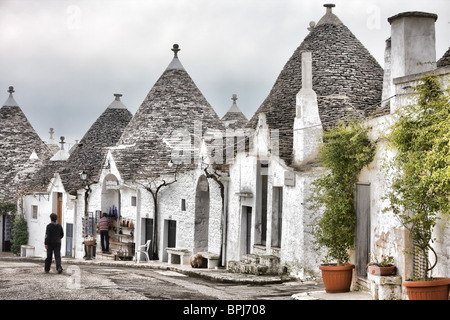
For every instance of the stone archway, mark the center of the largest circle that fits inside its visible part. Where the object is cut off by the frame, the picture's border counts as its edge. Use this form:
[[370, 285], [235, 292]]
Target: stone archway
[[110, 194], [201, 228]]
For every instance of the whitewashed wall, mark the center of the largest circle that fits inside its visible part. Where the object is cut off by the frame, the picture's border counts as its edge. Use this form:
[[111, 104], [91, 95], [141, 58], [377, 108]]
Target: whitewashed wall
[[46, 203], [296, 252]]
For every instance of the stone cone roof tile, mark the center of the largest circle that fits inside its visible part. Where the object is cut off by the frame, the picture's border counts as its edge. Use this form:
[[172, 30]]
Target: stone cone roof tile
[[444, 60], [234, 118], [170, 112], [346, 78], [90, 153], [22, 151]]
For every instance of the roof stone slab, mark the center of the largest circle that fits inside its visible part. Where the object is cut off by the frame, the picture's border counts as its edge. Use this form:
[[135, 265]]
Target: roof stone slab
[[22, 152], [170, 113], [346, 78]]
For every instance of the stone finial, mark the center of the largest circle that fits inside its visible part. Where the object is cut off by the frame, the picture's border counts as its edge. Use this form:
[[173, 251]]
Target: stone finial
[[117, 95], [51, 132], [329, 7], [62, 142], [10, 102], [234, 98], [329, 17], [312, 24], [175, 50]]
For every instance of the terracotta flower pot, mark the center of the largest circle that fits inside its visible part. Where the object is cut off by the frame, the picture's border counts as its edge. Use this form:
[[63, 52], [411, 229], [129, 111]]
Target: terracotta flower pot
[[382, 271], [337, 278], [437, 289]]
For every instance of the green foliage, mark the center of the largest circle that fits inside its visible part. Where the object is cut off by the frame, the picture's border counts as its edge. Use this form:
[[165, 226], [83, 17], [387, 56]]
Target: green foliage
[[420, 186], [7, 208], [345, 151], [19, 233]]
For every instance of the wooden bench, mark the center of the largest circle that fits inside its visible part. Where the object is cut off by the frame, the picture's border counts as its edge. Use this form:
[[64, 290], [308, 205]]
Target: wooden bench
[[178, 256], [212, 258]]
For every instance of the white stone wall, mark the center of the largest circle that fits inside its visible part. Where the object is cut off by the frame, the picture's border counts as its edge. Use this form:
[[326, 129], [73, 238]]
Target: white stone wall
[[388, 236], [169, 208], [441, 233], [242, 180], [46, 204], [296, 252]]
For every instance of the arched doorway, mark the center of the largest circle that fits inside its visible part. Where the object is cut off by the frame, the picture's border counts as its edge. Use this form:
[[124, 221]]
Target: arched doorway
[[201, 215], [110, 195]]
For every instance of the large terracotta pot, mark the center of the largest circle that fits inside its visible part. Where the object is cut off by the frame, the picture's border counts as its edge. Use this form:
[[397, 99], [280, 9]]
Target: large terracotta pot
[[428, 290], [337, 278]]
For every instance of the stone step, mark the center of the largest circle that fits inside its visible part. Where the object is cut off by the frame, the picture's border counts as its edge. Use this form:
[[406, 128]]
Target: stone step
[[363, 284], [105, 256], [256, 264]]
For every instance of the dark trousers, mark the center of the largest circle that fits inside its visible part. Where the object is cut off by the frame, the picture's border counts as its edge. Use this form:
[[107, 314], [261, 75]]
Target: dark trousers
[[53, 249], [104, 239]]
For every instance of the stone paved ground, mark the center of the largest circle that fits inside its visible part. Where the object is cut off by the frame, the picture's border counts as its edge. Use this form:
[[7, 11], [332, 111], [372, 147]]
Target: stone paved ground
[[24, 277]]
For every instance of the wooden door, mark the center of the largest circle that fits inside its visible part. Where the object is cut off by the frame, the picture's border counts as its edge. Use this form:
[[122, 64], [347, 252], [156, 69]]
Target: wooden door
[[362, 244]]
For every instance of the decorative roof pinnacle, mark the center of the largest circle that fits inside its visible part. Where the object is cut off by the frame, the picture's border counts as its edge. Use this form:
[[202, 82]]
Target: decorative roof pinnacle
[[175, 50], [329, 7], [62, 142], [329, 17], [234, 98], [117, 95], [10, 102]]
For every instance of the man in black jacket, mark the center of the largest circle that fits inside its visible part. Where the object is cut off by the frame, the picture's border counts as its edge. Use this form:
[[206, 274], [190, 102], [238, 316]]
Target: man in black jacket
[[53, 235]]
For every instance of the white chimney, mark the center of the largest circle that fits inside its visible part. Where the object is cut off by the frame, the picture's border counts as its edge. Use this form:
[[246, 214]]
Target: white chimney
[[413, 43], [307, 123]]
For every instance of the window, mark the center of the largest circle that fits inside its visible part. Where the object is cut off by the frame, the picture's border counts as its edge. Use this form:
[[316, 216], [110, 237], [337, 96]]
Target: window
[[183, 204], [34, 212], [133, 201]]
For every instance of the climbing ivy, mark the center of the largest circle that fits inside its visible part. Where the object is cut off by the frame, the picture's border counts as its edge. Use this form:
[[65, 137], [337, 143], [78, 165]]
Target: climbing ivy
[[7, 208], [420, 186], [345, 150]]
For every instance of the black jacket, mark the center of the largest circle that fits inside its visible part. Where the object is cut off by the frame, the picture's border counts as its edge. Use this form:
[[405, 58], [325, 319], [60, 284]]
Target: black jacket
[[54, 233]]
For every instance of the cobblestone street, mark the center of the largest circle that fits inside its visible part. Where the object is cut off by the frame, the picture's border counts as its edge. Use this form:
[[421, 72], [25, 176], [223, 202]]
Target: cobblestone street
[[26, 280]]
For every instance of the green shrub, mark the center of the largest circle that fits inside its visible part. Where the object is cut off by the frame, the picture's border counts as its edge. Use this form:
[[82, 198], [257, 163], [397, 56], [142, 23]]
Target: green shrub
[[19, 234], [345, 150], [420, 187]]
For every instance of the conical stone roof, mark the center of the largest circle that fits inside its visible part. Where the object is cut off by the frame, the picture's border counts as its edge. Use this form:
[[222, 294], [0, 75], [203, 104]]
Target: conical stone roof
[[234, 118], [173, 110], [346, 78], [90, 153], [444, 60], [22, 151]]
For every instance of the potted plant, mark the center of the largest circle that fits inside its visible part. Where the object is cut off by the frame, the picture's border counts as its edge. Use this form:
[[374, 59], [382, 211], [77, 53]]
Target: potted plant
[[419, 193], [345, 150], [385, 267]]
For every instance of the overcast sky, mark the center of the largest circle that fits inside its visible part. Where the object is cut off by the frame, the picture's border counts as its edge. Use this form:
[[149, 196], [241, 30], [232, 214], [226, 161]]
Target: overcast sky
[[66, 59]]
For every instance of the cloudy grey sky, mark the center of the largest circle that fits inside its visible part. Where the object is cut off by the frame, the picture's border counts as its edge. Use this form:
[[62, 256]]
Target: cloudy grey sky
[[66, 59]]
